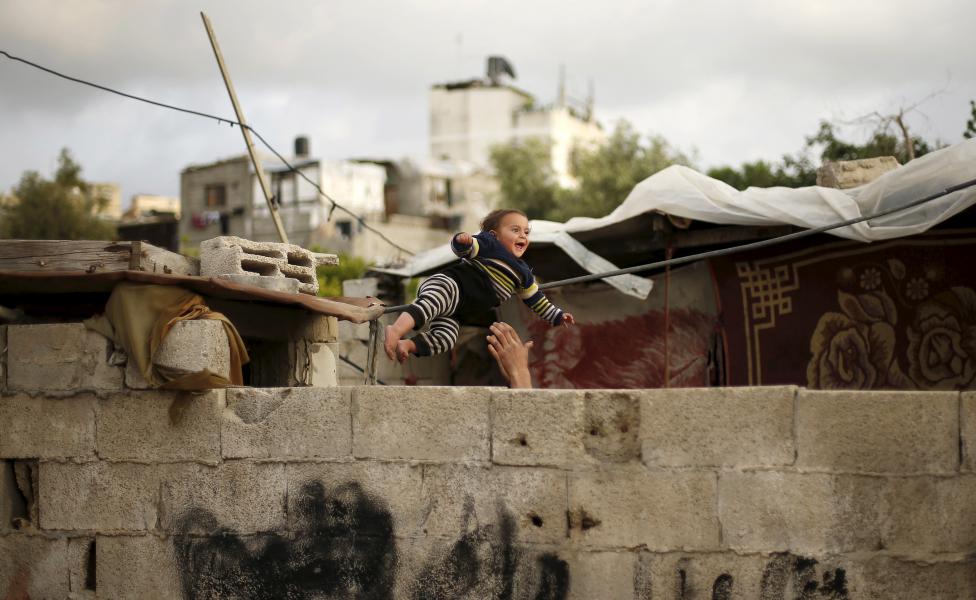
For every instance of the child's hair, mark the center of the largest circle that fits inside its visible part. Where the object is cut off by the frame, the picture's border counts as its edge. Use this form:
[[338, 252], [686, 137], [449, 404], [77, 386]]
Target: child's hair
[[493, 219]]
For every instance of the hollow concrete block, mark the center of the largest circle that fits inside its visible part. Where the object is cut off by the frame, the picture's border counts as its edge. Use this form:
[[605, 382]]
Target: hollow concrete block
[[143, 566], [930, 514], [229, 255], [439, 424], [160, 426], [731, 427], [192, 346], [33, 566], [287, 423], [807, 513], [59, 358], [40, 427], [98, 496], [532, 500], [878, 432], [629, 506], [241, 496]]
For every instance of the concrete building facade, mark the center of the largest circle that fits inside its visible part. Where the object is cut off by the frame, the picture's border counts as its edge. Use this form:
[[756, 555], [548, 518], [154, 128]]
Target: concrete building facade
[[468, 118]]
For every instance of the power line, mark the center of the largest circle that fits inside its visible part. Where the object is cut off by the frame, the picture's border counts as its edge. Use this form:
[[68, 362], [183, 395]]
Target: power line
[[219, 119], [740, 248]]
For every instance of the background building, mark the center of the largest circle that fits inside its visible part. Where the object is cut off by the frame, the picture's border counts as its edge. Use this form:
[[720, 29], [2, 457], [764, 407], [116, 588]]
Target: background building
[[468, 117]]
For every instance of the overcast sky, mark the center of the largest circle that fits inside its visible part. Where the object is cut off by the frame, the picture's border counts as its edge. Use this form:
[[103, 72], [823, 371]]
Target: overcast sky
[[732, 81]]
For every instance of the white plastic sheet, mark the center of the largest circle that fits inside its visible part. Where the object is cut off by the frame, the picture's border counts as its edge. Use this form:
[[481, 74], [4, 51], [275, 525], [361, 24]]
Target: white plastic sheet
[[684, 192]]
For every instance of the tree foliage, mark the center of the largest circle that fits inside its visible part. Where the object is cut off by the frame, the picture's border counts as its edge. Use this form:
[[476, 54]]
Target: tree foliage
[[64, 208], [970, 131], [331, 278], [526, 177], [604, 175], [797, 170]]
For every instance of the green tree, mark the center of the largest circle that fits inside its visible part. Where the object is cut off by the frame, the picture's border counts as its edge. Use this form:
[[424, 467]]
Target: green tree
[[970, 131], [608, 173], [331, 278], [604, 175], [64, 208], [526, 177]]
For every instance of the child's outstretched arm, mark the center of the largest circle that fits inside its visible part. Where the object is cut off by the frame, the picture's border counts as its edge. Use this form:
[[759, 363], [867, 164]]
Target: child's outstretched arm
[[464, 245], [535, 299]]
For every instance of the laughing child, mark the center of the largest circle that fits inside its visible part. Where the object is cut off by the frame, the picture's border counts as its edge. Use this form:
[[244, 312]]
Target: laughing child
[[491, 271]]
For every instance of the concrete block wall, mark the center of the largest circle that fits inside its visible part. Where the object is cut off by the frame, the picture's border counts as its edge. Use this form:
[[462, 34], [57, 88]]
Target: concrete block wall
[[404, 492]]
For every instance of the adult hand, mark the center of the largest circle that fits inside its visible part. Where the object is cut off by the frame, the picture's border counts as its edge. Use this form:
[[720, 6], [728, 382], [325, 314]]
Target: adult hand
[[512, 355]]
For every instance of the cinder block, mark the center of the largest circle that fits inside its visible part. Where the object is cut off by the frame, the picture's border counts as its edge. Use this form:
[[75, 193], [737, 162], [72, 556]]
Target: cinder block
[[33, 566], [160, 426], [709, 576], [64, 357], [228, 255], [427, 424], [287, 423], [929, 514], [601, 575], [375, 498], [192, 346], [484, 562], [845, 174], [630, 506], [98, 496], [565, 429], [732, 427], [38, 427], [800, 512], [243, 497], [889, 578], [143, 566], [967, 429], [878, 432], [532, 501]]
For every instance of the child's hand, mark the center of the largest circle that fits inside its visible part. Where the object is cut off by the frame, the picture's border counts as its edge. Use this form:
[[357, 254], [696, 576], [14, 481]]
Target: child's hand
[[404, 349], [464, 239], [568, 319]]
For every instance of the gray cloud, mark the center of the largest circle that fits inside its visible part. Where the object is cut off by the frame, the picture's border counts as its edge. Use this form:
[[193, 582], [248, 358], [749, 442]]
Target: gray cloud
[[738, 81]]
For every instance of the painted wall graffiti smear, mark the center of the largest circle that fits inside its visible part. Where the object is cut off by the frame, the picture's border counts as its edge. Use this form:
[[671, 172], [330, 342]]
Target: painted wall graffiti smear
[[343, 546]]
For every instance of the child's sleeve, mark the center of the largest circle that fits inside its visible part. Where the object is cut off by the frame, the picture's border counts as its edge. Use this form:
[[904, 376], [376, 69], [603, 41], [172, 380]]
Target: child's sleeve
[[540, 305], [465, 250]]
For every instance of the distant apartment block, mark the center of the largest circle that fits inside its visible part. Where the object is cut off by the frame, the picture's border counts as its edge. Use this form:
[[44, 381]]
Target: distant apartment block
[[468, 118]]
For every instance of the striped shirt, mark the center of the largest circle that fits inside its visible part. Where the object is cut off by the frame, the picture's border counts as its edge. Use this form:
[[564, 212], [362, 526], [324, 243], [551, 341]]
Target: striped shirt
[[508, 275]]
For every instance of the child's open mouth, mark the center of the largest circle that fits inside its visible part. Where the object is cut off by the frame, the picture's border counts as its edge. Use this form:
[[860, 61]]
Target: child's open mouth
[[520, 246]]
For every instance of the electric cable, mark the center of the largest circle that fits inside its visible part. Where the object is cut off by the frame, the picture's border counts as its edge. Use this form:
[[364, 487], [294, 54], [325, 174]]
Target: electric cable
[[219, 119]]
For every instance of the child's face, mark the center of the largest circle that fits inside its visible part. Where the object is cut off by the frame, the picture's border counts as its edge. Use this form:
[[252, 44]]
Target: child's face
[[513, 233]]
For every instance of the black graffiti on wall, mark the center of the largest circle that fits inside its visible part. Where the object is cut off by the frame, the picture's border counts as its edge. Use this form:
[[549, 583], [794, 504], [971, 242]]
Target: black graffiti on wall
[[789, 577], [785, 577], [342, 545]]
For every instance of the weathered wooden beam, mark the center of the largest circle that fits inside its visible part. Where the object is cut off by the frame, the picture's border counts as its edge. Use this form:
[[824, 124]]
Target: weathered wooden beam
[[92, 257]]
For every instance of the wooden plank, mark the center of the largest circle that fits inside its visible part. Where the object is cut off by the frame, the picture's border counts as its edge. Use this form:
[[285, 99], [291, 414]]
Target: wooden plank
[[64, 255], [154, 259], [92, 257]]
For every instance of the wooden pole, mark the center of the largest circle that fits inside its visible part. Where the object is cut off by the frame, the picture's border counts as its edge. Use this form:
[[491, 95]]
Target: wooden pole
[[265, 188]]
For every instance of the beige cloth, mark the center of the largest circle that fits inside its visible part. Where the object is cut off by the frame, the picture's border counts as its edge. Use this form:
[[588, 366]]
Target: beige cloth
[[138, 317]]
